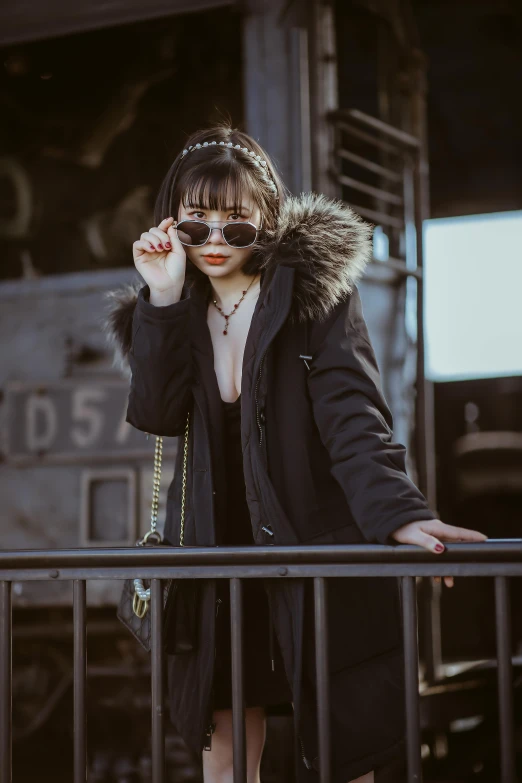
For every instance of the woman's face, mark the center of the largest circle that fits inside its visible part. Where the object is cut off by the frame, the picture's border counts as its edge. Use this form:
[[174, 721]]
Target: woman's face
[[216, 258]]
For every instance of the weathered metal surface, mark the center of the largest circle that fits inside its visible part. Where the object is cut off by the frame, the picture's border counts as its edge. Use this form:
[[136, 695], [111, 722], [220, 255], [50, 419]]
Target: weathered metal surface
[[69, 421], [74, 473]]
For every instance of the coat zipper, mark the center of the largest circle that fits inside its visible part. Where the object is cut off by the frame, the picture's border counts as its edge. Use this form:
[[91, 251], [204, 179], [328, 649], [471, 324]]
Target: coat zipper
[[306, 762], [256, 399], [211, 727], [207, 743], [267, 528]]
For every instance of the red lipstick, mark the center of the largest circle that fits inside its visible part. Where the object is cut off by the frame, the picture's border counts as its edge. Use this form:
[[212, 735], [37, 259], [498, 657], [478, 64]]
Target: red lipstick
[[211, 259]]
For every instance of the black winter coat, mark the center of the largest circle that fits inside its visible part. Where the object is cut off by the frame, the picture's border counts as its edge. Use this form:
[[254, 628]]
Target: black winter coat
[[320, 467]]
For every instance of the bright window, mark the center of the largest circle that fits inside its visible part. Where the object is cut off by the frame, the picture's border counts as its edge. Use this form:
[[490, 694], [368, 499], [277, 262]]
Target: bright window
[[473, 296]]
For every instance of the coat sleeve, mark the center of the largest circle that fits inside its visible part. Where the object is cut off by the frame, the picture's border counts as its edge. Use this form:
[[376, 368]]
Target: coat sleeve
[[355, 425], [161, 366]]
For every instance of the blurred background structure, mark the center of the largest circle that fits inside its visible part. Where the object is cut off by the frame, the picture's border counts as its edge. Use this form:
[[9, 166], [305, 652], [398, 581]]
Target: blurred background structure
[[407, 110]]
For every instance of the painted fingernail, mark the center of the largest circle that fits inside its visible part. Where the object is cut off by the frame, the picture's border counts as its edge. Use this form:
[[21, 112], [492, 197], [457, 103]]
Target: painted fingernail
[[152, 247], [439, 548], [168, 245], [160, 246]]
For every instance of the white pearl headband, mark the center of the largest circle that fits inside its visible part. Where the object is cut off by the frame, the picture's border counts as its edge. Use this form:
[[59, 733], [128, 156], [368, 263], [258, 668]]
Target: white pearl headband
[[258, 160]]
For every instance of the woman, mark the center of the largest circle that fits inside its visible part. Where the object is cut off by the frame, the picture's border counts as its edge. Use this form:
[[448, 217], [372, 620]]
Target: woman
[[243, 282]]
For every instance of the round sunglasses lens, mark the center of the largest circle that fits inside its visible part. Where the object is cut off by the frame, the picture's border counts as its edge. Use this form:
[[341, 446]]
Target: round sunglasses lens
[[239, 234], [191, 232]]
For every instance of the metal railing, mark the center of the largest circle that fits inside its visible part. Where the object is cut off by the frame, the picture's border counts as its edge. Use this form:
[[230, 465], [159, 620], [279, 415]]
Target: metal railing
[[497, 560], [384, 176]]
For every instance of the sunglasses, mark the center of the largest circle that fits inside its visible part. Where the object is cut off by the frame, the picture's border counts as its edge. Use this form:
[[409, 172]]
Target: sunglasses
[[195, 233]]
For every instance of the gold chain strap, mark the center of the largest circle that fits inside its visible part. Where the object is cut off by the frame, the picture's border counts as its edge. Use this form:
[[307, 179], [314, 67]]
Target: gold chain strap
[[184, 482], [158, 454], [141, 598], [140, 603]]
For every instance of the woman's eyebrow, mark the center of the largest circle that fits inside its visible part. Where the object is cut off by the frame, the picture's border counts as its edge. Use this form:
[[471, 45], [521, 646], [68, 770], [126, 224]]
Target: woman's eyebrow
[[230, 208]]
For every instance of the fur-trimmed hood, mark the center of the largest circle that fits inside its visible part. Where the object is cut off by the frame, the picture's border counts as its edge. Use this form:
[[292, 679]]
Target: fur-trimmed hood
[[323, 239]]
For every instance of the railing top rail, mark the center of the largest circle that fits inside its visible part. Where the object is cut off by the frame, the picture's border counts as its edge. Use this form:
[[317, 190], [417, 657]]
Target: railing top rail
[[503, 550]]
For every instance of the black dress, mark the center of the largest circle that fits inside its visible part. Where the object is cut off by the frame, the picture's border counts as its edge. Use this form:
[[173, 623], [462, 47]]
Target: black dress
[[265, 682]]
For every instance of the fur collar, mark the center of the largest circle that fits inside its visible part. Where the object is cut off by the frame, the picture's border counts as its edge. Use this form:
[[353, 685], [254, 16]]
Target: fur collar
[[323, 239]]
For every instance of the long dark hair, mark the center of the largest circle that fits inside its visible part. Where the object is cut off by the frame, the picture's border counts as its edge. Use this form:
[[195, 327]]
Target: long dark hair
[[210, 174]]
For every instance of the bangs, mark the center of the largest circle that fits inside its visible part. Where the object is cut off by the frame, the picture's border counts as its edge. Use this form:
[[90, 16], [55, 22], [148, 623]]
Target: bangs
[[218, 178], [218, 185]]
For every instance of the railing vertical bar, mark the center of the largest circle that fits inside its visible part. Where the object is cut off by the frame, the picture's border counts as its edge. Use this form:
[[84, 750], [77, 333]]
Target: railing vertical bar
[[321, 661], [238, 701], [157, 668], [80, 676], [411, 674], [5, 684], [505, 680]]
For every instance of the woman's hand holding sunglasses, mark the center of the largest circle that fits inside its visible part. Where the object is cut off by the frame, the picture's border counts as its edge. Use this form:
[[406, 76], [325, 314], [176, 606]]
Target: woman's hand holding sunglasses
[[160, 259]]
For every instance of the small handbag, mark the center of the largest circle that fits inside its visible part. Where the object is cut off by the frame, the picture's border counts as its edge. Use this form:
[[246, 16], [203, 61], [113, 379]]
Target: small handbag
[[179, 595]]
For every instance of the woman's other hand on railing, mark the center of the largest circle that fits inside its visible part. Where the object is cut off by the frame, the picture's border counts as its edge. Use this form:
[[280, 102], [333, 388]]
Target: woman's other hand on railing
[[430, 533]]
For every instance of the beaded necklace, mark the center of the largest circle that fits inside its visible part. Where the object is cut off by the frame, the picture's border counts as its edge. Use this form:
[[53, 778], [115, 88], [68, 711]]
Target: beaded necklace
[[227, 316]]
